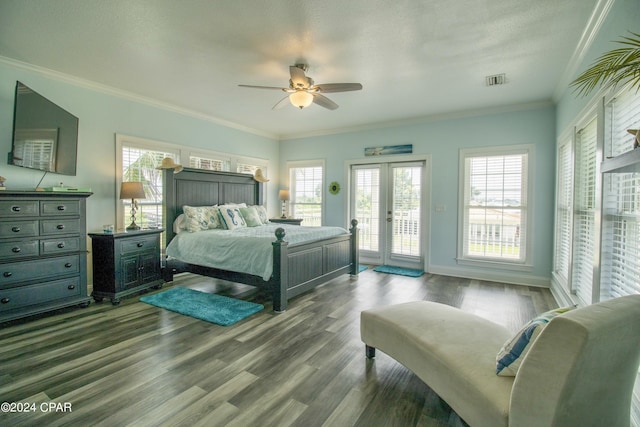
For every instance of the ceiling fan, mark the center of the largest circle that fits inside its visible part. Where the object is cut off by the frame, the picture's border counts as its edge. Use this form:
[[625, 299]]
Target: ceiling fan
[[302, 92]]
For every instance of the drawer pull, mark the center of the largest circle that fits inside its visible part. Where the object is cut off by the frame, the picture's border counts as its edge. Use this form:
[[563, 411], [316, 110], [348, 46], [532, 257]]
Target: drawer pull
[[15, 229], [68, 265], [15, 208], [15, 250], [140, 244], [60, 226], [5, 300], [71, 287], [62, 207], [7, 274], [61, 245]]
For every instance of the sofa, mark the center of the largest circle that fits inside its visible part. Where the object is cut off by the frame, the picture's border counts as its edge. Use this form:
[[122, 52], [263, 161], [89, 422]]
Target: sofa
[[579, 371]]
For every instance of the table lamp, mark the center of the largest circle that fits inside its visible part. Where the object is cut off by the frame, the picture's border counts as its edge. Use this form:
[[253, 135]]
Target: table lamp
[[284, 196], [133, 191]]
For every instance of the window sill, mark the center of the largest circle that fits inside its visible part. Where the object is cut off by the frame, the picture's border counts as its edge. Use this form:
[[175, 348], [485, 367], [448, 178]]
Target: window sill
[[502, 265]]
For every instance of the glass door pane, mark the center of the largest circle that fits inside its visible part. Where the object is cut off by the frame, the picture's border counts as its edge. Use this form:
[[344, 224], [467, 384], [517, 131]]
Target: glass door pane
[[366, 181], [406, 210]]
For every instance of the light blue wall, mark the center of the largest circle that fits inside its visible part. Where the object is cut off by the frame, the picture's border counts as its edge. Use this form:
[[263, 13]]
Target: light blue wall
[[442, 140], [103, 115], [623, 17]]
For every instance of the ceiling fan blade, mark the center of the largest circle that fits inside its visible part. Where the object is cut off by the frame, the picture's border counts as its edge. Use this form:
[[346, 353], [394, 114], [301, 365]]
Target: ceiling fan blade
[[338, 87], [298, 77], [284, 101], [323, 101], [264, 87]]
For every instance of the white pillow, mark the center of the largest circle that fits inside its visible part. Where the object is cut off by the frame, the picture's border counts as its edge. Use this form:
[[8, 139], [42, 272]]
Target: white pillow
[[262, 213], [200, 218], [231, 217], [180, 224]]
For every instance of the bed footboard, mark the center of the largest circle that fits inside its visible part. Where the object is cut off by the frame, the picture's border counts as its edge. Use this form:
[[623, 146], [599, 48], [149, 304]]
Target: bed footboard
[[299, 268]]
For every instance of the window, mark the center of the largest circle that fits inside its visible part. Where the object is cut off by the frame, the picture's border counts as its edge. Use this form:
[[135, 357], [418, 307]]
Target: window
[[564, 213], [208, 162], [494, 204], [138, 164], [621, 205], [585, 238], [306, 182]]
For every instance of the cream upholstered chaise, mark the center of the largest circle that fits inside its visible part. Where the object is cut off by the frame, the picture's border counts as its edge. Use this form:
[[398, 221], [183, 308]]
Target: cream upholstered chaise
[[580, 370]]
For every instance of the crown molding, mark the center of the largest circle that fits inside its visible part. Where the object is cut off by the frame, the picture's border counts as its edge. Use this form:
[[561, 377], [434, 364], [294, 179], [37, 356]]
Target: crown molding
[[108, 90], [599, 14]]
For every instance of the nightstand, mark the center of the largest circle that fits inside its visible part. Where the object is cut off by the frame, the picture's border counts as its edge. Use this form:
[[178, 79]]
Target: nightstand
[[292, 221], [125, 263]]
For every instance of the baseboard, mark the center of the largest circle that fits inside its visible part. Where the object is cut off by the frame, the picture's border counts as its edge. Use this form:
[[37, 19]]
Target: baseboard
[[493, 276]]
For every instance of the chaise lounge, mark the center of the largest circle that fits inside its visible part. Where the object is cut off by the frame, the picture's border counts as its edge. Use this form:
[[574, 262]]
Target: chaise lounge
[[579, 371]]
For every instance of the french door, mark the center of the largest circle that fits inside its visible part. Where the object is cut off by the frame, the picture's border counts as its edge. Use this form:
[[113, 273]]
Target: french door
[[387, 200]]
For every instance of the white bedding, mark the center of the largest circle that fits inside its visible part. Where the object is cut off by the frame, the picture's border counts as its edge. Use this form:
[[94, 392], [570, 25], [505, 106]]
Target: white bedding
[[243, 250]]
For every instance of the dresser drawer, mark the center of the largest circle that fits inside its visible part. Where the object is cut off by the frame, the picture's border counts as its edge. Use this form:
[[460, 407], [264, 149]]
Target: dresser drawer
[[59, 207], [140, 244], [16, 272], [58, 246], [19, 249], [18, 229], [15, 208], [59, 226], [24, 296]]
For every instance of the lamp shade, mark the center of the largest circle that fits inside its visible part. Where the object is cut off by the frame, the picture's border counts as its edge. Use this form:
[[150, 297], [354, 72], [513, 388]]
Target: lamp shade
[[301, 99], [132, 190], [283, 195]]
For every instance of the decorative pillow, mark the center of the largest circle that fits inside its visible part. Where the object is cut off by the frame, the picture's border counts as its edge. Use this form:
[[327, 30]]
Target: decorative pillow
[[262, 213], [200, 218], [231, 217], [251, 217], [513, 351], [180, 224]]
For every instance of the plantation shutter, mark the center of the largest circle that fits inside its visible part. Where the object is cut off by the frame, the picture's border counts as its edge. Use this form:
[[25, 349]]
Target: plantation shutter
[[495, 211], [139, 165], [564, 203], [208, 163], [621, 206], [306, 194], [584, 230]]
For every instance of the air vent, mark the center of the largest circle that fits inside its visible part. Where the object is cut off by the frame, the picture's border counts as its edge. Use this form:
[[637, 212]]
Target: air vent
[[496, 80]]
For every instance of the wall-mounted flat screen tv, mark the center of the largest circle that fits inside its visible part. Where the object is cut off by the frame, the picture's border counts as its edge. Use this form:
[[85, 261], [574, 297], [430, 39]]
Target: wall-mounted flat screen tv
[[45, 136]]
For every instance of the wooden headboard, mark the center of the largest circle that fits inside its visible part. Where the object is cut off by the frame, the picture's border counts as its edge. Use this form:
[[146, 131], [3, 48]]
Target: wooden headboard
[[198, 187]]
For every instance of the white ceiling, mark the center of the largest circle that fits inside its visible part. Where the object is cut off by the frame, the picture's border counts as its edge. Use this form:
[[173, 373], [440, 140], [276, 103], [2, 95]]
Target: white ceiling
[[414, 58]]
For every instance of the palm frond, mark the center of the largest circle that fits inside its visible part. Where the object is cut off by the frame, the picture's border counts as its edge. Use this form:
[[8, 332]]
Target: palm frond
[[612, 68]]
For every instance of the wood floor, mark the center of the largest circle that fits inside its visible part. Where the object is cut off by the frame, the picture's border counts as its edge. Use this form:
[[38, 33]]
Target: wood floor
[[136, 364]]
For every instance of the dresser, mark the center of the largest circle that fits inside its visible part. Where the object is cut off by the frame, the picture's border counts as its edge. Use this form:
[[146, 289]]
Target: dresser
[[125, 263], [43, 252]]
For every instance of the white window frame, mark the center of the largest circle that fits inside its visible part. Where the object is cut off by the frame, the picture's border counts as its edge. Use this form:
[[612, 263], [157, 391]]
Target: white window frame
[[524, 264], [564, 212], [291, 185], [180, 152]]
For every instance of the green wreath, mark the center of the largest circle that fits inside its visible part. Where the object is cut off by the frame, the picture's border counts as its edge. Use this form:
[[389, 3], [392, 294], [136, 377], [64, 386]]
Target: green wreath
[[334, 188]]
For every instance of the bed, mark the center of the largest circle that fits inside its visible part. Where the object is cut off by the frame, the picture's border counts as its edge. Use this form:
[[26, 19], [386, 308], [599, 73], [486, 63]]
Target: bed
[[297, 266]]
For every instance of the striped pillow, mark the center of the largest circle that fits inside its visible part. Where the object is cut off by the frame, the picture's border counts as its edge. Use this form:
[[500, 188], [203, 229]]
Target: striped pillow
[[513, 351]]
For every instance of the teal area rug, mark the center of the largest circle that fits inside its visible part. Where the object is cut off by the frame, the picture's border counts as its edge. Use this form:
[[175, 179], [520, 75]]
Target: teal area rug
[[362, 268], [398, 270], [204, 306]]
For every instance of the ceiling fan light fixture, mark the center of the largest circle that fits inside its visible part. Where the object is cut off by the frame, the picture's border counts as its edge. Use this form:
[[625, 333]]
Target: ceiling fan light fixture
[[301, 99]]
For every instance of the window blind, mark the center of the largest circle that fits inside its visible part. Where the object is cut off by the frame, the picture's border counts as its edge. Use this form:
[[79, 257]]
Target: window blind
[[407, 183], [564, 206], [584, 230], [621, 205], [306, 194], [495, 207], [201, 162], [139, 165]]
